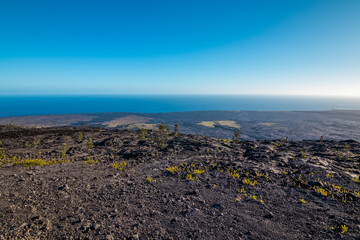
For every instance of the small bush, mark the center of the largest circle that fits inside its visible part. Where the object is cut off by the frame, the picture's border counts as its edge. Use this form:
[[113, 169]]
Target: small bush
[[161, 136], [80, 136], [143, 133], [236, 137], [120, 166], [172, 169], [176, 131], [37, 162], [344, 229], [90, 161], [2, 154], [354, 179], [63, 153], [90, 144]]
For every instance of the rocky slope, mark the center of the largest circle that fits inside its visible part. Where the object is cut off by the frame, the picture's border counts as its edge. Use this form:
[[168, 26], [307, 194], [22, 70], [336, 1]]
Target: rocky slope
[[131, 185]]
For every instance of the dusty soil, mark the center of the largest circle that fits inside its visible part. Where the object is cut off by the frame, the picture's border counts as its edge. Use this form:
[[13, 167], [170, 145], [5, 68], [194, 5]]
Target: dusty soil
[[216, 189]]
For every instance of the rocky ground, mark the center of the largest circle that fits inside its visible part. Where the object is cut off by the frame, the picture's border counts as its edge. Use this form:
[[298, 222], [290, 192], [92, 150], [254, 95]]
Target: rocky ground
[[130, 185]]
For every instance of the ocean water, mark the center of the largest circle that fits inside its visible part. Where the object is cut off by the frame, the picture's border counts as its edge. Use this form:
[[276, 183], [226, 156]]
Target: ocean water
[[42, 105]]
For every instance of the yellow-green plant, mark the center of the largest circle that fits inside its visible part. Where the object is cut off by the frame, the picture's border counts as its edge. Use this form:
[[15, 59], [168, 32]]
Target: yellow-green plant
[[148, 179], [189, 177], [37, 162], [321, 191], [246, 181], [236, 137], [36, 141], [161, 137], [356, 179], [357, 193], [344, 229], [198, 171], [234, 173], [302, 200], [90, 144], [80, 136], [143, 133], [253, 183], [63, 153], [2, 154], [90, 161], [120, 166], [172, 170], [303, 155], [176, 131]]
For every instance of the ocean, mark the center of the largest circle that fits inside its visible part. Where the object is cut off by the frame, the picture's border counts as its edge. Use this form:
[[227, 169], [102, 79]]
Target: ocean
[[42, 105]]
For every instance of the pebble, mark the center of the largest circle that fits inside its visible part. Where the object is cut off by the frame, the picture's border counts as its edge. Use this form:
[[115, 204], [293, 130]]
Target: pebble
[[96, 226], [64, 187], [136, 236], [269, 215]]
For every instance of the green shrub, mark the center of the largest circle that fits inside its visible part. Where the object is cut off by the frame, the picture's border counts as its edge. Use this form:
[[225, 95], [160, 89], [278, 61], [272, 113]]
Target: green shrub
[[176, 131], [236, 137], [90, 144], [80, 136]]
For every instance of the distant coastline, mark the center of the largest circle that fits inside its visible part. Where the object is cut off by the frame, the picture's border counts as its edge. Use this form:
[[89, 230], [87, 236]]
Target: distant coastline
[[44, 105]]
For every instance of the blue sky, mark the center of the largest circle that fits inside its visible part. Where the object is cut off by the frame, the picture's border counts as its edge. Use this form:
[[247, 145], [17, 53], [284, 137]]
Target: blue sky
[[298, 47]]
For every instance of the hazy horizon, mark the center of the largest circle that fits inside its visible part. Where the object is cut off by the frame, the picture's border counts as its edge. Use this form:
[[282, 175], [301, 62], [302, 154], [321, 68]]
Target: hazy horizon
[[300, 48]]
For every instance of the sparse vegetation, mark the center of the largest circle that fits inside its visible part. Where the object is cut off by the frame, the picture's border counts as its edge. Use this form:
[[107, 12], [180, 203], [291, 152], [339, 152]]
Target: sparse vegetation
[[236, 136], [63, 153], [198, 173], [176, 131], [90, 161], [344, 229], [37, 162], [321, 191], [120, 166], [356, 179], [143, 133], [80, 136], [161, 136], [172, 170], [302, 155], [90, 144]]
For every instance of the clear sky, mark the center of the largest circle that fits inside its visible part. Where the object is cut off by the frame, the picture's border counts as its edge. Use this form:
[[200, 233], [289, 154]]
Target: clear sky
[[295, 47]]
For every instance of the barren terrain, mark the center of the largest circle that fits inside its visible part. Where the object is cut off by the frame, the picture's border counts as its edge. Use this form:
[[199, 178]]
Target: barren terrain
[[126, 184]]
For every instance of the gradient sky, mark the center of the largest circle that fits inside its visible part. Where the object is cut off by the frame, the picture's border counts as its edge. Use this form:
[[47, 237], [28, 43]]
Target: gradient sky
[[297, 47]]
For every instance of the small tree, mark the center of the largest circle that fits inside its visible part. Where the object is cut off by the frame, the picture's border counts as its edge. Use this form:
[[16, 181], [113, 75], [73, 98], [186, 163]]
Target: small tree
[[143, 133], [176, 132], [80, 136], [90, 144], [63, 153], [236, 136], [161, 136]]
